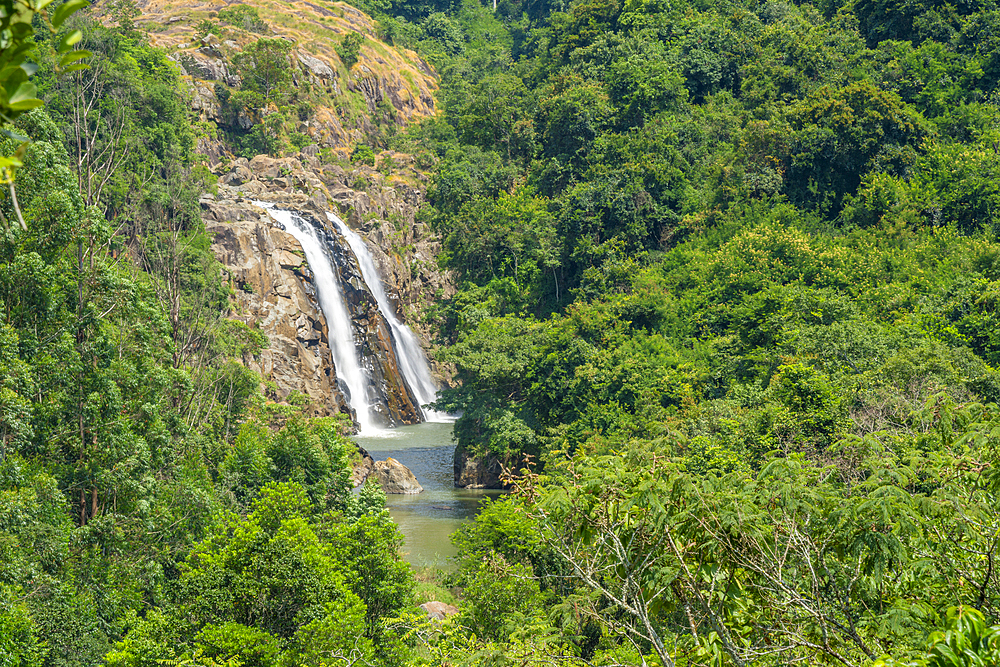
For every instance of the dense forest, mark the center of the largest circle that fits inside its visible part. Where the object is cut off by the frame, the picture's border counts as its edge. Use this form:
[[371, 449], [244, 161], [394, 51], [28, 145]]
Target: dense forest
[[726, 312]]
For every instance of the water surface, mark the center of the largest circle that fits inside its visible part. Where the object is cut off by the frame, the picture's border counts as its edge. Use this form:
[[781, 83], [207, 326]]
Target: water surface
[[426, 519]]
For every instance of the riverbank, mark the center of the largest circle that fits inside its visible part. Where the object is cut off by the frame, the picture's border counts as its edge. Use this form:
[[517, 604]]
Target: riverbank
[[427, 519]]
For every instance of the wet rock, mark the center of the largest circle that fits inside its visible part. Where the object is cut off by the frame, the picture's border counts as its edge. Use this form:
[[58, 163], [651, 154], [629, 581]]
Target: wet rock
[[394, 477], [472, 472], [389, 395], [438, 611]]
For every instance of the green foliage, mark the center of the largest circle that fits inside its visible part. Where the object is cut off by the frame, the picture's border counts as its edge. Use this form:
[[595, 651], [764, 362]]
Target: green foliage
[[285, 585], [966, 642], [244, 17], [500, 597], [349, 48], [363, 154], [726, 293], [263, 67]]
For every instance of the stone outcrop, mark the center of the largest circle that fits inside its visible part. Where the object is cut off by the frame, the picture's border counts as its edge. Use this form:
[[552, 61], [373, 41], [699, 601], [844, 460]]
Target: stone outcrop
[[362, 467], [394, 477], [473, 472], [274, 293], [390, 474], [438, 611]]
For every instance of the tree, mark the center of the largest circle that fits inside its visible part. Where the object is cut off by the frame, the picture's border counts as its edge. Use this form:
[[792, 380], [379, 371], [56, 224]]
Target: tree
[[349, 48], [263, 66]]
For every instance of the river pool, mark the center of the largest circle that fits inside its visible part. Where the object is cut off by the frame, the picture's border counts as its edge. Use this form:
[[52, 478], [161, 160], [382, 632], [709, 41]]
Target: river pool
[[426, 519]]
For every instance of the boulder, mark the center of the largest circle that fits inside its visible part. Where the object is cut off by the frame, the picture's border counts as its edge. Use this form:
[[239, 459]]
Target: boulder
[[394, 477], [316, 67], [438, 611]]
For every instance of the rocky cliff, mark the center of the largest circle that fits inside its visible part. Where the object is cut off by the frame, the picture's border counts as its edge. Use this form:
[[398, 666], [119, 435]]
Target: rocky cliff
[[273, 285], [338, 104], [273, 291]]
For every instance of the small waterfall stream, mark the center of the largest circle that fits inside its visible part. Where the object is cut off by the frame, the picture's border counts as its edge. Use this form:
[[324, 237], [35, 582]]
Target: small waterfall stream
[[412, 361]]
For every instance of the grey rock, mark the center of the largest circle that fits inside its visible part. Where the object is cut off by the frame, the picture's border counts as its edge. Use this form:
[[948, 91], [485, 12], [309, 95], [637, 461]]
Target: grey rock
[[316, 67], [272, 294], [394, 477]]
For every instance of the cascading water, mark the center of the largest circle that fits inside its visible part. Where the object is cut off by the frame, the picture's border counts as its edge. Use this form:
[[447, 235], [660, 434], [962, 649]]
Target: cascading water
[[412, 361], [338, 319]]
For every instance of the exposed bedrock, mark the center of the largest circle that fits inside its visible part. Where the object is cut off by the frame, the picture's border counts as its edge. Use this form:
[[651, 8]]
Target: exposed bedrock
[[274, 292]]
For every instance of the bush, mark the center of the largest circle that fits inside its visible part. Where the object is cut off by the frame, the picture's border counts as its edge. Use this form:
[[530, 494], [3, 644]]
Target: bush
[[349, 48], [244, 17], [363, 154]]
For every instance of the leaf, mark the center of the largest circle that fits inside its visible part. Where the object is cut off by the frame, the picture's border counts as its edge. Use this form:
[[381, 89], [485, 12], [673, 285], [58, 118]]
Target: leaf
[[13, 135], [74, 61], [24, 97], [69, 40], [73, 55], [65, 11]]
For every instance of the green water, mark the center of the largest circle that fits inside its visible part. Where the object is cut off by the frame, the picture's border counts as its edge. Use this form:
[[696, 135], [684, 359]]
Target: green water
[[426, 519]]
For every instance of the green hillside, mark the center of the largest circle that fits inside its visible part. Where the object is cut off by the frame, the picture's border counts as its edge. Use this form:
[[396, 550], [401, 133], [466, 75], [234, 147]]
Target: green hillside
[[726, 310]]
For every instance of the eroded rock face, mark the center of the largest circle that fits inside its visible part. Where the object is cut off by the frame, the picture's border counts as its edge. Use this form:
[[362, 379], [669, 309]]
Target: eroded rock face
[[403, 250], [394, 477], [274, 291], [473, 472]]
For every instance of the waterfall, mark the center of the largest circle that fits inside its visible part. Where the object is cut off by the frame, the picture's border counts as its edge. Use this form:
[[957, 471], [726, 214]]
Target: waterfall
[[338, 319], [412, 361]]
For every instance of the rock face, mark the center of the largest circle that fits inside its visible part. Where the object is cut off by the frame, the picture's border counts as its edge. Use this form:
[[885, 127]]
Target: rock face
[[389, 395], [362, 468], [477, 473], [394, 477], [274, 292], [267, 265], [438, 611], [383, 213]]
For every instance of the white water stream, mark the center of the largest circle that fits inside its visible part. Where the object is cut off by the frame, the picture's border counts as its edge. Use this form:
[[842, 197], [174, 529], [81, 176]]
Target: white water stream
[[350, 370], [412, 361], [338, 319]]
